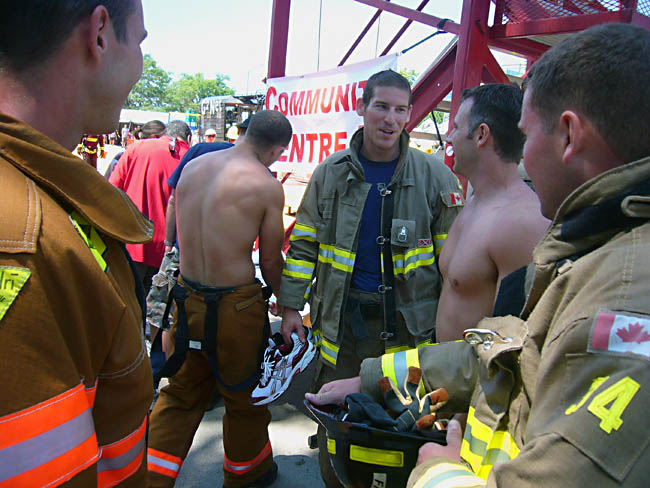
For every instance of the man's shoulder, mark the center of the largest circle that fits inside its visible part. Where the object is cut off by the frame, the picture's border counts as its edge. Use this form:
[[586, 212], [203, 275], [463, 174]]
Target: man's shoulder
[[22, 211]]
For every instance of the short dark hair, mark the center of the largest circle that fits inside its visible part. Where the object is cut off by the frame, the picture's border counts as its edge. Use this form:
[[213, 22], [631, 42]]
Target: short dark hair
[[604, 73], [498, 106], [32, 30], [269, 128], [385, 78], [153, 128], [177, 129]]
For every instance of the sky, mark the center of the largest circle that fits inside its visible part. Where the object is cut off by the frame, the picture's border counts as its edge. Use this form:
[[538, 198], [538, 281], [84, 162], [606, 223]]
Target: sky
[[232, 37]]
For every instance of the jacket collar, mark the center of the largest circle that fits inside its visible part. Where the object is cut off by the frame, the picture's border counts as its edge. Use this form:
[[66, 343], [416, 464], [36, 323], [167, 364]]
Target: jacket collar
[[615, 200], [72, 181], [356, 142]]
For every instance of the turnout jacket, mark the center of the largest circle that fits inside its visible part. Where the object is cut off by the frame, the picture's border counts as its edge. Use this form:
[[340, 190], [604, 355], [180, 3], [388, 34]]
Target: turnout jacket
[[561, 398], [75, 380], [427, 198]]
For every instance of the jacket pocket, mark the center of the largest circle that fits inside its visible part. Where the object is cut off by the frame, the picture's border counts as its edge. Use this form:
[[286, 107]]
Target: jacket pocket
[[402, 233], [420, 318]]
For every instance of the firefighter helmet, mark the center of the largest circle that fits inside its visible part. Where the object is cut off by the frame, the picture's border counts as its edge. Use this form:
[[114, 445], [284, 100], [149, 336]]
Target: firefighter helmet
[[363, 456]]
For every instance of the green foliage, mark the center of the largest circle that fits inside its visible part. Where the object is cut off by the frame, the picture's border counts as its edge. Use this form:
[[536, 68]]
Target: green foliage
[[152, 91], [409, 74], [186, 93], [156, 91]]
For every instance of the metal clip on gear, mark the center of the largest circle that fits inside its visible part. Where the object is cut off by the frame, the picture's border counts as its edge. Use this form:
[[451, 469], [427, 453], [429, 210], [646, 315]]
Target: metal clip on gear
[[487, 337]]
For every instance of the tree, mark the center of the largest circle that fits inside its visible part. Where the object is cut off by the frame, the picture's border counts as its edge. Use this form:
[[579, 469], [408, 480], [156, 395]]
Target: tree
[[186, 93], [152, 91]]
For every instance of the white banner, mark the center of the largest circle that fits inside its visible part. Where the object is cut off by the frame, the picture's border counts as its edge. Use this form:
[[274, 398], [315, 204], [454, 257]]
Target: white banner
[[322, 110]]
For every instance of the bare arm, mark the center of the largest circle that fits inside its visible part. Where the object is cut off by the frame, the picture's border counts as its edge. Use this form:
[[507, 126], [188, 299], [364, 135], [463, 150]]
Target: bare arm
[[272, 236], [170, 221]]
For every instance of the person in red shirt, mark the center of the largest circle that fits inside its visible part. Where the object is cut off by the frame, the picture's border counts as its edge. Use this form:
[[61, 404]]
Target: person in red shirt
[[142, 173]]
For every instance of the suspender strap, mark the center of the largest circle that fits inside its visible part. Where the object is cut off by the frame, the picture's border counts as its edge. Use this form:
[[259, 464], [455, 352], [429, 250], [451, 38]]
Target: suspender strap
[[387, 288], [209, 345]]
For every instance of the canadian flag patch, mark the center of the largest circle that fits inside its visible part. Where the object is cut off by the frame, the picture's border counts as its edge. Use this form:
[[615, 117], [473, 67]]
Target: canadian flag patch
[[620, 333]]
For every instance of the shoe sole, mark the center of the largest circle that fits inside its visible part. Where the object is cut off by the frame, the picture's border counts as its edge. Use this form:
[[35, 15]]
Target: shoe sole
[[303, 363]]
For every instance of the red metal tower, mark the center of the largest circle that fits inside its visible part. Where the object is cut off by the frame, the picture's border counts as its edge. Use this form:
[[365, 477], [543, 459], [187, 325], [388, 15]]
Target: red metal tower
[[523, 27]]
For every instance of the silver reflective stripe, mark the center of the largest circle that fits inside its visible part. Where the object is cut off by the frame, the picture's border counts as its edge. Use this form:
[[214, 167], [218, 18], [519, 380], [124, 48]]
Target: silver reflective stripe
[[401, 369], [329, 351], [119, 462], [34, 452], [330, 254], [163, 463]]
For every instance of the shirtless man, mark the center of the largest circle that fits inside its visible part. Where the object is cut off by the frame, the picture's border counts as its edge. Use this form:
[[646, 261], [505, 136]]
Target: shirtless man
[[225, 199], [497, 229]]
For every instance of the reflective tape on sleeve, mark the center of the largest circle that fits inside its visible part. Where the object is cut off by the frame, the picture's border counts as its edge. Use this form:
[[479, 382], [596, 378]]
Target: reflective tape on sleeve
[[413, 258], [448, 475], [297, 268], [328, 350], [303, 232], [337, 258], [48, 443], [396, 367], [438, 242], [482, 447]]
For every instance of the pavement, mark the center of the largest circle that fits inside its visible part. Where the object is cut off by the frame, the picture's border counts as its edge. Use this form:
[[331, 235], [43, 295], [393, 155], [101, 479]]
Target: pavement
[[289, 429]]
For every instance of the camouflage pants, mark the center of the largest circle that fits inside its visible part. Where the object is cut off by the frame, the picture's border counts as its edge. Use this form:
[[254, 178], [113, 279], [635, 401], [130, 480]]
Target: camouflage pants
[[161, 285]]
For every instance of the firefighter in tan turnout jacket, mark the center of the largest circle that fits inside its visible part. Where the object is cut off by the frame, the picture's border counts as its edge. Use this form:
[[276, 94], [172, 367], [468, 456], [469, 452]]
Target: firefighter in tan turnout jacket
[[74, 374], [368, 234], [558, 396]]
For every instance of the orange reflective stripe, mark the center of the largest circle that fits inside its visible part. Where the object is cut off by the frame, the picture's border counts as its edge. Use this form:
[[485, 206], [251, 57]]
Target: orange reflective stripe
[[91, 391], [49, 443], [57, 471], [119, 460], [40, 418], [163, 463], [244, 467]]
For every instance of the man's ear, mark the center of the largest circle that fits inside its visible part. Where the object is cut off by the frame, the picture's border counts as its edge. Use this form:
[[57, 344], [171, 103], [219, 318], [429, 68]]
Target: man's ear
[[572, 131], [100, 32], [360, 107], [482, 134]]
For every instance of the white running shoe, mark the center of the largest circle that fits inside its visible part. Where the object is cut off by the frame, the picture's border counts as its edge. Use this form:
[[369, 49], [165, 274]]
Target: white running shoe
[[281, 363]]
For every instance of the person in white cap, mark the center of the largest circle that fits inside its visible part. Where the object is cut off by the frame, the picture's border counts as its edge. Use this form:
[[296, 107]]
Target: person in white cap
[[210, 135]]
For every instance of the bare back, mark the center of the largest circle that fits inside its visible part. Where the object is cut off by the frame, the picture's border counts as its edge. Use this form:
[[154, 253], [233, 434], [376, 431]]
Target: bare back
[[491, 237], [224, 200]]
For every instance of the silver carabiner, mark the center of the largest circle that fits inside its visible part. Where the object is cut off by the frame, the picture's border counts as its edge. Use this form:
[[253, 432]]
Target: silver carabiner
[[487, 337]]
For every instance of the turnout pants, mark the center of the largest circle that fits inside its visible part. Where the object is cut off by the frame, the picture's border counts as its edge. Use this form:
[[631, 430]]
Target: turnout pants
[[362, 326], [180, 407]]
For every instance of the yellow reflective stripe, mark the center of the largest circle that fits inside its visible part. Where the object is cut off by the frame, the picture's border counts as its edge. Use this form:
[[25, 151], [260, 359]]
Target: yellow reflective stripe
[[448, 475], [331, 446], [298, 268], [380, 457], [438, 241], [94, 241], [396, 367], [394, 349], [303, 232], [337, 258], [307, 293], [328, 350], [413, 258], [482, 448]]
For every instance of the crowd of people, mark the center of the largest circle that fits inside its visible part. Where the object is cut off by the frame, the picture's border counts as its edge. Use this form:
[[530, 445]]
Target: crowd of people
[[528, 307]]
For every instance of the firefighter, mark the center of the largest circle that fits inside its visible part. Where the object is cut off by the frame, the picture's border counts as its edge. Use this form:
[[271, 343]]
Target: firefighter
[[89, 146], [558, 396]]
